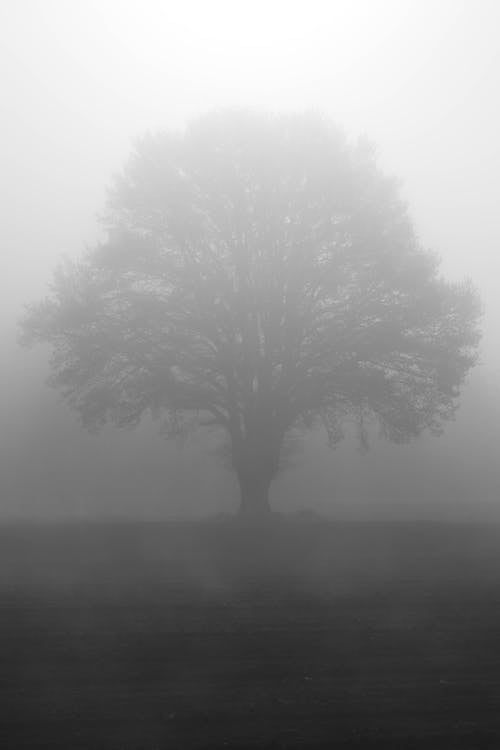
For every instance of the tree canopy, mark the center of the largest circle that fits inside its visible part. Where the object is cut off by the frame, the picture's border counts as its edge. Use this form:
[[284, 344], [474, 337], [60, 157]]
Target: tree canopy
[[261, 273]]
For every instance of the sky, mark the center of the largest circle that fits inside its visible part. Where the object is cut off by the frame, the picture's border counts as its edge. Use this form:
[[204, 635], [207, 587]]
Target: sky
[[80, 81]]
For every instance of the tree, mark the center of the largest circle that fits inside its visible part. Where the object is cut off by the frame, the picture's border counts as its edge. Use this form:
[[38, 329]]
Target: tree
[[260, 273]]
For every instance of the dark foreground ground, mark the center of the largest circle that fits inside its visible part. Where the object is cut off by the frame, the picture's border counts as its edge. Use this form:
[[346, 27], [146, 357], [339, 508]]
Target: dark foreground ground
[[307, 635]]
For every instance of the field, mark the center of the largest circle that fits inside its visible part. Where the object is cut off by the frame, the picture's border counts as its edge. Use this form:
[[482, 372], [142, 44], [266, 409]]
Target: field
[[306, 634]]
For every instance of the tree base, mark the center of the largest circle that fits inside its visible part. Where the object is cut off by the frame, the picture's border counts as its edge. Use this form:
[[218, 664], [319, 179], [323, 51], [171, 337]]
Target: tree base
[[255, 505]]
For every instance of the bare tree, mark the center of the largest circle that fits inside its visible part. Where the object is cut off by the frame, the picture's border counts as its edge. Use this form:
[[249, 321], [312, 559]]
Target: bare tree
[[260, 273]]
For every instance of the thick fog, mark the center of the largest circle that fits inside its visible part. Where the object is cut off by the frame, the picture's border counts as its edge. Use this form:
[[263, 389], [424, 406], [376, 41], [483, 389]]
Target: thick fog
[[80, 81]]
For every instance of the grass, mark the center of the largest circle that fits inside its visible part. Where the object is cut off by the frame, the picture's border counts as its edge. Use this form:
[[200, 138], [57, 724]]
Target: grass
[[208, 635]]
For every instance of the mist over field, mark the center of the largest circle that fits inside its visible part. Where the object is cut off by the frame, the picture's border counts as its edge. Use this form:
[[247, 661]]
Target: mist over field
[[81, 82], [277, 222]]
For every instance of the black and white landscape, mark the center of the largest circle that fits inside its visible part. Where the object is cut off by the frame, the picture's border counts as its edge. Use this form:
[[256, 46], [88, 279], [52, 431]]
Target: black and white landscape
[[249, 485]]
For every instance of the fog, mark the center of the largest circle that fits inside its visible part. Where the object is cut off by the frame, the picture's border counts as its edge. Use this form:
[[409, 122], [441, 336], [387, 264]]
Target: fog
[[81, 81]]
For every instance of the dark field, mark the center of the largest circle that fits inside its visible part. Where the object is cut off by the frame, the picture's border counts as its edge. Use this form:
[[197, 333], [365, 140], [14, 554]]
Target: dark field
[[306, 635]]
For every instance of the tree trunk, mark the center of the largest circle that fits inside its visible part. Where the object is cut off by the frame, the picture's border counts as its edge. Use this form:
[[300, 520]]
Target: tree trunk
[[254, 493], [256, 459]]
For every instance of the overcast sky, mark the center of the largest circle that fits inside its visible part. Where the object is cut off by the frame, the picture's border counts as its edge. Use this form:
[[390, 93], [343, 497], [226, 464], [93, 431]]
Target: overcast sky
[[80, 80]]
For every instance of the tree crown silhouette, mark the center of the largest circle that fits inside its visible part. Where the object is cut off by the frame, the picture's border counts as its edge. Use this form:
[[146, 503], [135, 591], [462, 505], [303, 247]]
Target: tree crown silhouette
[[261, 273]]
